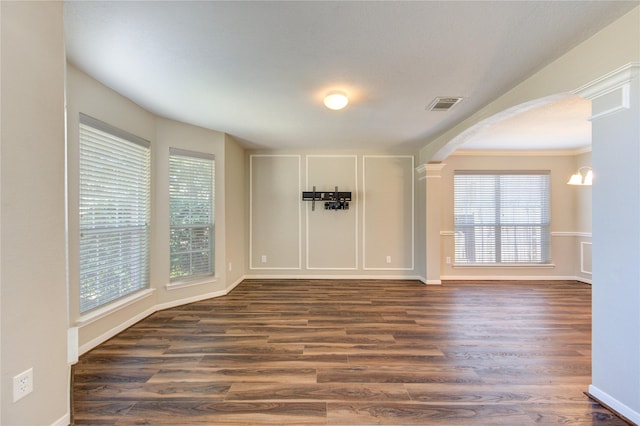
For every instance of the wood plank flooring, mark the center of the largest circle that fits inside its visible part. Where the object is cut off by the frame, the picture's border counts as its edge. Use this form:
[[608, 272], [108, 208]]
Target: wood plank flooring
[[351, 352]]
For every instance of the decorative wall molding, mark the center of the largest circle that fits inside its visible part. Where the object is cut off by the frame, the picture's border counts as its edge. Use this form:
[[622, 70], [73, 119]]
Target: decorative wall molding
[[191, 283], [354, 203], [334, 277], [521, 153], [611, 92], [447, 233], [364, 213], [582, 257], [251, 266], [571, 234], [430, 170], [513, 278], [609, 81]]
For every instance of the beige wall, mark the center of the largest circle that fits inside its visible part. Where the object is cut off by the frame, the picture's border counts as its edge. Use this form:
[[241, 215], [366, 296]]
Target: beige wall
[[565, 238], [235, 211], [584, 209], [374, 237], [33, 278], [173, 134], [88, 96]]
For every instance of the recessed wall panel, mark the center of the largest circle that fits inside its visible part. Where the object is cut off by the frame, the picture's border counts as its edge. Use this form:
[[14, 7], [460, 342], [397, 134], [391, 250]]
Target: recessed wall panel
[[275, 212], [332, 234], [388, 212]]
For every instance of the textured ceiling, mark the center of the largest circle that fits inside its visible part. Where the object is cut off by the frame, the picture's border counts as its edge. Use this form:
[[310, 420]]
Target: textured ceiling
[[259, 70]]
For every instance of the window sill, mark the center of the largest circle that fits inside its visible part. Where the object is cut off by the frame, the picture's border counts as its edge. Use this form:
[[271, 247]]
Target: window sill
[[112, 307], [504, 265], [176, 285]]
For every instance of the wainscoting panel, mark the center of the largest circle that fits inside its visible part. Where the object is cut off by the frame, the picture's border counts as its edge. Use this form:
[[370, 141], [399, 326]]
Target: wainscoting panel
[[585, 257], [275, 219], [332, 235], [388, 228]]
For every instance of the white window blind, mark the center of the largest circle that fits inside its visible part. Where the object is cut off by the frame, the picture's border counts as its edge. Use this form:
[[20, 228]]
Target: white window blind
[[502, 217], [114, 213], [191, 201]]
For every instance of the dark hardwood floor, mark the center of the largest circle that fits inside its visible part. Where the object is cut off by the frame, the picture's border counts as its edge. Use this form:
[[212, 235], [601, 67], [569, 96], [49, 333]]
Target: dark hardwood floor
[[348, 352]]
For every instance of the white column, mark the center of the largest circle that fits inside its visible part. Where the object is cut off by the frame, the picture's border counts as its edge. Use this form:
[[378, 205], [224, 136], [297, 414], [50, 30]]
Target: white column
[[433, 209], [616, 239]]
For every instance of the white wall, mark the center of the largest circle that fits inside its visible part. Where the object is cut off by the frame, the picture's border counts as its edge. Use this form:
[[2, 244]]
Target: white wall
[[236, 212], [33, 277]]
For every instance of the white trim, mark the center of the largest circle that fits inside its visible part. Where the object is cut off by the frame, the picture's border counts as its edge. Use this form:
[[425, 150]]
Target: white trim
[[387, 269], [364, 210], [582, 244], [121, 327], [512, 278], [609, 81], [584, 280], [624, 102], [617, 80], [63, 421], [521, 153], [72, 345], [189, 283], [504, 265], [614, 404], [447, 233], [299, 157], [119, 304], [571, 234], [356, 215], [433, 168], [333, 277], [193, 299], [110, 333]]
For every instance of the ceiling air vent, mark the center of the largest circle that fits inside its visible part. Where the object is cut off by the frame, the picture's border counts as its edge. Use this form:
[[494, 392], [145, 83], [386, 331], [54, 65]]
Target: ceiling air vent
[[443, 104]]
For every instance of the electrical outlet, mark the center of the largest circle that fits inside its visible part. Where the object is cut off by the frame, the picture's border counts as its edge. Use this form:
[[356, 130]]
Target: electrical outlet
[[263, 258], [230, 267], [22, 384], [388, 259], [448, 260]]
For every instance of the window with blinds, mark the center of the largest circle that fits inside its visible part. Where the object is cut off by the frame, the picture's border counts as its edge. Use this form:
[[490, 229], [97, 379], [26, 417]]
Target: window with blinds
[[191, 201], [502, 217], [114, 203]]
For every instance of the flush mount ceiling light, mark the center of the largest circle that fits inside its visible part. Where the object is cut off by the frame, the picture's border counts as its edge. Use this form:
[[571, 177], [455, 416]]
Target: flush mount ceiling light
[[336, 100], [584, 176]]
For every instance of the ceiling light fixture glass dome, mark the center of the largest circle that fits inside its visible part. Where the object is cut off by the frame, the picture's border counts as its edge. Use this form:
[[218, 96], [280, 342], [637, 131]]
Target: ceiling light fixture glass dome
[[336, 100]]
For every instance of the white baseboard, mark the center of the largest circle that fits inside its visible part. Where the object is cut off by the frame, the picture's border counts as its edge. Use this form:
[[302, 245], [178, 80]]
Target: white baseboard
[[121, 327], [513, 278], [110, 333], [614, 404], [332, 277], [63, 421]]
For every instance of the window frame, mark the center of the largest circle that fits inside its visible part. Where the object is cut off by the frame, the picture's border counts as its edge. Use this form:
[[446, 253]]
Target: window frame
[[191, 227], [498, 226], [127, 220]]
